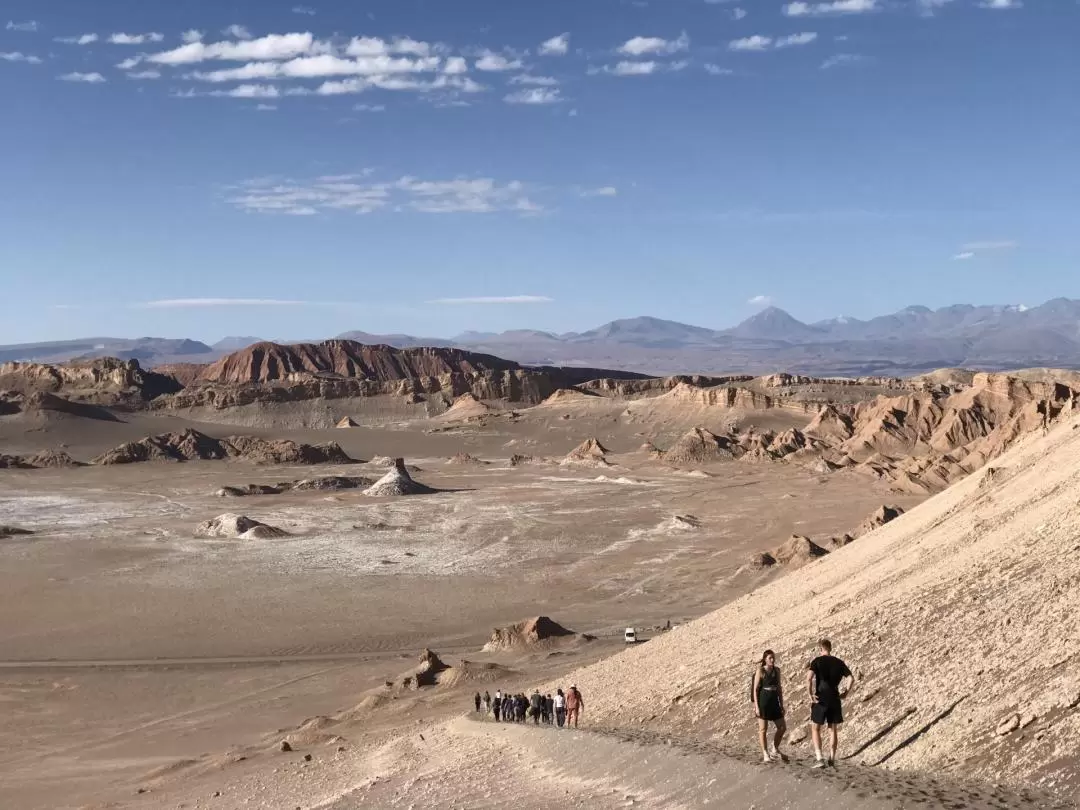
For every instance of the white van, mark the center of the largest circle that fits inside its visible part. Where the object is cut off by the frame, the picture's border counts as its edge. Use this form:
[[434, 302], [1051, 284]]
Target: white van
[[630, 635]]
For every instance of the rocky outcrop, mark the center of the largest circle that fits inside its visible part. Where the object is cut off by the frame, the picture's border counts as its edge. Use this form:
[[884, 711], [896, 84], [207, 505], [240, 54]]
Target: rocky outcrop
[[238, 527], [397, 482], [589, 453], [46, 459], [12, 531], [328, 483], [883, 514], [699, 446], [106, 381], [538, 631], [191, 445]]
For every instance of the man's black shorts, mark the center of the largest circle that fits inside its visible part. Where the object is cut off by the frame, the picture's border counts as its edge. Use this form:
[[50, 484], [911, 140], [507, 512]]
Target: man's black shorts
[[830, 713]]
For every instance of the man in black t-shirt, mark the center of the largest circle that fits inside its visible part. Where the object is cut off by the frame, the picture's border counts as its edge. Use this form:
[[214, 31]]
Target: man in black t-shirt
[[824, 676]]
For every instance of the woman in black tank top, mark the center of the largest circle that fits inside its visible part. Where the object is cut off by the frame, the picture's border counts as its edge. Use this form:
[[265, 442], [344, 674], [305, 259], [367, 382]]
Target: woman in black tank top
[[767, 695]]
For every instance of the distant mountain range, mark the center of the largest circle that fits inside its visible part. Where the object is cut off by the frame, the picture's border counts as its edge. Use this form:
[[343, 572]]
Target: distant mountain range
[[911, 341]]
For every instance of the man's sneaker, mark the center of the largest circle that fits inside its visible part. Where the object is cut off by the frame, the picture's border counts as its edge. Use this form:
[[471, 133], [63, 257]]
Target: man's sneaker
[[779, 757], [832, 763], [819, 764], [765, 757]]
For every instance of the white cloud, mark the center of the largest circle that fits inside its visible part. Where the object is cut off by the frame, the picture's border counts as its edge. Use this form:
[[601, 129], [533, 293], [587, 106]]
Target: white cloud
[[192, 35], [804, 9], [135, 39], [26, 27], [497, 63], [17, 56], [129, 64], [399, 83], [265, 107], [272, 47], [760, 301], [1002, 4], [963, 256], [603, 191], [198, 303], [86, 78], [237, 32], [374, 108], [303, 10], [757, 42], [640, 46], [361, 195], [85, 39], [455, 66], [738, 13], [556, 46], [248, 91], [535, 81], [805, 38], [144, 75], [495, 299], [840, 60], [716, 70], [375, 46], [535, 95]]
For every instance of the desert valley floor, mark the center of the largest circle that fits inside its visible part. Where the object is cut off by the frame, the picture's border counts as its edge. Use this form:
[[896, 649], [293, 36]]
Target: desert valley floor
[[149, 663]]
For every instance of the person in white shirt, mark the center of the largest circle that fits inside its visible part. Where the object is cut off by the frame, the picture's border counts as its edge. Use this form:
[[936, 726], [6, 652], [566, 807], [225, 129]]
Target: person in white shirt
[[560, 708]]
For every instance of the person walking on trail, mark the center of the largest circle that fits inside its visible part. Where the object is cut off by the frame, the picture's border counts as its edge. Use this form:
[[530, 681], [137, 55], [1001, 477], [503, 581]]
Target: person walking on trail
[[487, 703], [767, 697], [477, 700], [560, 707], [536, 706], [549, 709], [824, 678], [497, 704], [575, 705]]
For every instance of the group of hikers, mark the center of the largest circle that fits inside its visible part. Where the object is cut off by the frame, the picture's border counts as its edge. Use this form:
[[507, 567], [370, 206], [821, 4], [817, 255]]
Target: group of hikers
[[561, 709], [825, 683], [825, 677]]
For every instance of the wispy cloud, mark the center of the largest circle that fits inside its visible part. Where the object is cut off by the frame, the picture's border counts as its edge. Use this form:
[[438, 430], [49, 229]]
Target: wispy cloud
[[199, 303], [643, 46], [372, 108], [535, 95], [269, 48], [535, 81], [25, 27], [135, 39], [145, 75], [603, 191], [928, 7], [628, 68], [760, 42], [84, 39], [266, 107], [841, 60], [738, 13], [308, 10], [556, 46], [361, 195], [237, 31], [495, 299], [18, 56], [972, 250], [192, 35], [835, 7], [717, 70], [85, 78], [1002, 5], [760, 301]]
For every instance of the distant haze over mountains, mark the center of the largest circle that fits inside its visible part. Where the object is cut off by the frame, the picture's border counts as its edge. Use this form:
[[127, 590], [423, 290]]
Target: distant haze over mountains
[[914, 340]]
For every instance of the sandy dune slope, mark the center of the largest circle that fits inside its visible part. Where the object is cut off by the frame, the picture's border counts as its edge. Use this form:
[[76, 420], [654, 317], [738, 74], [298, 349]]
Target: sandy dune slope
[[960, 617]]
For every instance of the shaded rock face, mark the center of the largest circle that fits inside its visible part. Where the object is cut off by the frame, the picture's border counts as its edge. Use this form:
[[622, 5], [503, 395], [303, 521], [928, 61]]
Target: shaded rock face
[[883, 515], [12, 531], [330, 483], [699, 446], [397, 482], [238, 527], [191, 445]]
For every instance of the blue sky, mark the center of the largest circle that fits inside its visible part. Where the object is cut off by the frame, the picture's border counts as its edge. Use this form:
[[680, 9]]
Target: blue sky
[[289, 169]]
